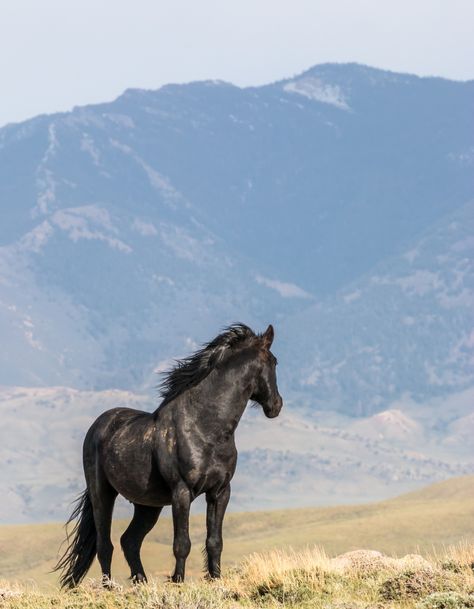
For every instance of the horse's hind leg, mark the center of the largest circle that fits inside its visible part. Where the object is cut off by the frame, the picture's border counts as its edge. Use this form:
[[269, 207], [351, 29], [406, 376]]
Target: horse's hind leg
[[144, 519], [103, 497]]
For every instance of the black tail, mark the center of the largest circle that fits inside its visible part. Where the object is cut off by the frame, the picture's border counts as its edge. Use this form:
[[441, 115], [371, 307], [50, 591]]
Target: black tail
[[81, 551]]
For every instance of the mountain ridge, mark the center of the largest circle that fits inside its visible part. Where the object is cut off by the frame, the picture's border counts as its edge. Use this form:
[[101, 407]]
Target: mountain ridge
[[339, 209]]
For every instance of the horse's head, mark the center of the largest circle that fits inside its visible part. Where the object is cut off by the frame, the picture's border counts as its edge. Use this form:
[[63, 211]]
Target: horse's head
[[265, 392]]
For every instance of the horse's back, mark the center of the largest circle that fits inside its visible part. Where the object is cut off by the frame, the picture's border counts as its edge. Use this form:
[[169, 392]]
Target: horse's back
[[113, 426], [113, 419]]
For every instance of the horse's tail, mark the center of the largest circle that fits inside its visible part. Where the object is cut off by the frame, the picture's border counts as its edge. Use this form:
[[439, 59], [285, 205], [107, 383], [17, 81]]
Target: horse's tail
[[81, 551]]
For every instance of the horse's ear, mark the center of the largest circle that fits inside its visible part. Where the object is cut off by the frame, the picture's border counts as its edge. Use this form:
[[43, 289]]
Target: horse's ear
[[267, 337]]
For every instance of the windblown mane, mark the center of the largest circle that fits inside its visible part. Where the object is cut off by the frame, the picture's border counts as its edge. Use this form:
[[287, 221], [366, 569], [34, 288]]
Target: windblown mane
[[191, 370]]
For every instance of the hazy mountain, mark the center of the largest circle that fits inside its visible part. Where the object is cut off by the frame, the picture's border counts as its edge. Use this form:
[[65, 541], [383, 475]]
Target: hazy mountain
[[404, 328], [295, 460], [337, 204]]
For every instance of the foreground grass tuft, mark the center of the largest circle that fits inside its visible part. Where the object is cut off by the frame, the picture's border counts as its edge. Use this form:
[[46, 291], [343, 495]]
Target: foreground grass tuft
[[300, 580], [447, 600]]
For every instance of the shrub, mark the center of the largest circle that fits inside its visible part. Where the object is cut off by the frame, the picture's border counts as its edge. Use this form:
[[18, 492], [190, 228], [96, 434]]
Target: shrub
[[410, 583], [285, 593], [452, 565], [447, 600]]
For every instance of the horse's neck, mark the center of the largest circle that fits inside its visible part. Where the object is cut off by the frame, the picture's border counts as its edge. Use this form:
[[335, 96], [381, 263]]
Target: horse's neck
[[224, 394]]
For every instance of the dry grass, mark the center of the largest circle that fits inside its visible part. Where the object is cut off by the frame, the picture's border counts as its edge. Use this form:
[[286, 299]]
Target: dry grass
[[304, 579], [427, 522], [457, 556]]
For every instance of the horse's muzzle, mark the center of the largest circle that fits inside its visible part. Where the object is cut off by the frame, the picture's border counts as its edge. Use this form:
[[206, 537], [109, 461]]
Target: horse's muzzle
[[274, 411]]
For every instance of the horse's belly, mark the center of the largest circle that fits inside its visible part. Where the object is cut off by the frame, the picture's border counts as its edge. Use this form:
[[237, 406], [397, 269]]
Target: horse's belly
[[134, 474], [153, 495]]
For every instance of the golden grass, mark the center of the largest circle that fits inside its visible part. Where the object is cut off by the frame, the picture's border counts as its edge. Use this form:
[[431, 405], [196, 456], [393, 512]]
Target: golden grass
[[299, 579]]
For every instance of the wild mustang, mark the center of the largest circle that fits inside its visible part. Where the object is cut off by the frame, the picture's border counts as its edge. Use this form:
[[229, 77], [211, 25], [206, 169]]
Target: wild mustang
[[183, 449]]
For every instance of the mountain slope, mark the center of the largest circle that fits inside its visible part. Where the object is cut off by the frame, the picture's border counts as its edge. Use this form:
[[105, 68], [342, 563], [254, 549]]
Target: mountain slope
[[406, 324], [154, 187], [337, 204], [217, 203]]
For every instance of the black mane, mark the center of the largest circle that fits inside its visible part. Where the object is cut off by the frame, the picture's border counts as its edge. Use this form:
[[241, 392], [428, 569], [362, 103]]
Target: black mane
[[191, 370]]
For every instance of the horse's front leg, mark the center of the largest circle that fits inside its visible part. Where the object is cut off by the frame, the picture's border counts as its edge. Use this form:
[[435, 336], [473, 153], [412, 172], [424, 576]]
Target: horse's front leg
[[216, 507], [181, 501]]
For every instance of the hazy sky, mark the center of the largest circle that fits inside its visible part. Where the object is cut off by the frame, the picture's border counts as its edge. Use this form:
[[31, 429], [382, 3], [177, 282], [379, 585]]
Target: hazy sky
[[55, 54]]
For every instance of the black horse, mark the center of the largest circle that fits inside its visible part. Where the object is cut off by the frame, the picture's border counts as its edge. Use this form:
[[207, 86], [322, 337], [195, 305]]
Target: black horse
[[169, 457]]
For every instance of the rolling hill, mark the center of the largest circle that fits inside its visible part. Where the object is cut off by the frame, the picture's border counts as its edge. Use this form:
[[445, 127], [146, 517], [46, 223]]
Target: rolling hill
[[423, 521]]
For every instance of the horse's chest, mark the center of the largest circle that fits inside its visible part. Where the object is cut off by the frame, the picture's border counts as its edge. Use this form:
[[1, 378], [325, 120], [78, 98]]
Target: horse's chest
[[212, 467]]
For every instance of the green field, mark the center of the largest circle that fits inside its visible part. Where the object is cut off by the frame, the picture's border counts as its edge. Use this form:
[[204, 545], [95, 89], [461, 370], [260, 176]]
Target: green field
[[425, 522]]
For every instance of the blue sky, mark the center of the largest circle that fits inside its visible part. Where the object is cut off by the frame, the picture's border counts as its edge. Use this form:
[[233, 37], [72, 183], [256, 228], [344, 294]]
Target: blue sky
[[55, 54]]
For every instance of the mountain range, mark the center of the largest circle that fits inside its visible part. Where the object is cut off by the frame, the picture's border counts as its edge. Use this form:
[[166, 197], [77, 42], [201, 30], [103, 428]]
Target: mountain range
[[337, 204]]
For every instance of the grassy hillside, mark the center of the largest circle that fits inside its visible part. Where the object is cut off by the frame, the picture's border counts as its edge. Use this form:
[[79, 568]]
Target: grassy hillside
[[308, 579], [424, 521]]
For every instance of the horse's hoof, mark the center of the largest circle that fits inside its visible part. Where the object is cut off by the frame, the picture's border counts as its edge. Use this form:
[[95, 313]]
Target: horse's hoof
[[212, 576], [107, 583]]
